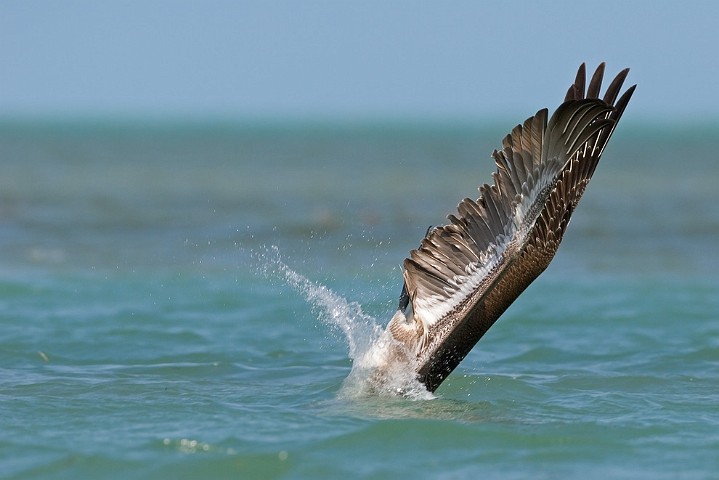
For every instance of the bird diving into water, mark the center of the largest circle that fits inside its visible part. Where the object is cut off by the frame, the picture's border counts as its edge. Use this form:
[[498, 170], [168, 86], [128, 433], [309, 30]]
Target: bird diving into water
[[465, 274]]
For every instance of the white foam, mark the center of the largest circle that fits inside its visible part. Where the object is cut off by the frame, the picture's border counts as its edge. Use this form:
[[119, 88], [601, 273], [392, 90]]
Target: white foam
[[377, 369]]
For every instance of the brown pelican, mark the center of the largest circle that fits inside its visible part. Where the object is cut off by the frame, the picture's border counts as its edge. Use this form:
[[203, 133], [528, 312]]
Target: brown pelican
[[465, 274]]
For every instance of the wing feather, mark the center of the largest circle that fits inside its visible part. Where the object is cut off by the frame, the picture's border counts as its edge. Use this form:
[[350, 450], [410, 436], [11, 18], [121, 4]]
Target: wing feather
[[595, 84]]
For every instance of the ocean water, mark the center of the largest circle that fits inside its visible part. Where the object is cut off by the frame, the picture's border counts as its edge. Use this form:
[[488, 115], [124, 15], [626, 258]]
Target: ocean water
[[187, 301]]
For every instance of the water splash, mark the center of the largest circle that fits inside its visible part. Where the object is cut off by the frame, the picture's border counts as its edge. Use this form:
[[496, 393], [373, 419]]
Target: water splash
[[376, 367]]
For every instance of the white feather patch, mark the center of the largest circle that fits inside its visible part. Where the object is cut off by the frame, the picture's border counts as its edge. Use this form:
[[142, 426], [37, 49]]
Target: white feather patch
[[430, 309]]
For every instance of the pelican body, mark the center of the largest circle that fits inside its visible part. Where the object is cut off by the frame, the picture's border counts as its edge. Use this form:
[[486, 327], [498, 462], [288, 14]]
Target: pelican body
[[465, 274]]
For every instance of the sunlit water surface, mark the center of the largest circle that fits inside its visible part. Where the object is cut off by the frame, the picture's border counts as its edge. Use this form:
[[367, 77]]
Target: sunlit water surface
[[189, 302]]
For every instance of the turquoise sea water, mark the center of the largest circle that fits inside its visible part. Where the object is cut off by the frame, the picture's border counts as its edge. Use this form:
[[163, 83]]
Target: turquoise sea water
[[150, 328]]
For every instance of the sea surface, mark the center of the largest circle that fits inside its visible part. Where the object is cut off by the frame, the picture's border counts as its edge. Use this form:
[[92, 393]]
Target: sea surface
[[186, 300]]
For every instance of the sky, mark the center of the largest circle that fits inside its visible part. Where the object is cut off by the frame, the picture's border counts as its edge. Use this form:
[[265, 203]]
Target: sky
[[339, 59]]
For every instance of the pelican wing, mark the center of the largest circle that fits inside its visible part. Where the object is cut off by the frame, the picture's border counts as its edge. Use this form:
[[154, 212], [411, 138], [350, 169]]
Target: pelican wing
[[466, 273]]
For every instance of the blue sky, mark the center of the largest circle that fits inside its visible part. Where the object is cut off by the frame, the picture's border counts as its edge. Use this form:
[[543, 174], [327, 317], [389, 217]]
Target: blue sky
[[343, 59]]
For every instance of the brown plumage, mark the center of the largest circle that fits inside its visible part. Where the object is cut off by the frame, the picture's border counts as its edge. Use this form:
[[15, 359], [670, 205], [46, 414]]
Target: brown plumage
[[467, 273]]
